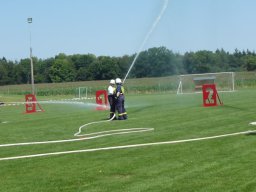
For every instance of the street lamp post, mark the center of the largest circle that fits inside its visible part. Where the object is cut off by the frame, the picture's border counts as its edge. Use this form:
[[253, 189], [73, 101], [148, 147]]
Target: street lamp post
[[31, 59]]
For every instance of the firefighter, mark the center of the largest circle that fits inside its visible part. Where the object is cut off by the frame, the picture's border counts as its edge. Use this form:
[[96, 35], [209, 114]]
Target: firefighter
[[111, 98], [120, 99]]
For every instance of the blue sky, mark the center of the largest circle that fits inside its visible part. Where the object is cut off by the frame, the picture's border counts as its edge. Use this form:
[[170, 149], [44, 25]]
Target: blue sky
[[118, 27]]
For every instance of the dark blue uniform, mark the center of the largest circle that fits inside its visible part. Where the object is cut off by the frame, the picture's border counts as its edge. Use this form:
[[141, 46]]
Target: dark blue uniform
[[122, 115]]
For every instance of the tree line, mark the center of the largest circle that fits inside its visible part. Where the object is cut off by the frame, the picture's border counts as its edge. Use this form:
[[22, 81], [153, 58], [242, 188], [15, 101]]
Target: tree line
[[154, 62]]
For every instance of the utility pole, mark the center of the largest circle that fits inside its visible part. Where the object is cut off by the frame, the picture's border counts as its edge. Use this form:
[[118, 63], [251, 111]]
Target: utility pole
[[31, 59]]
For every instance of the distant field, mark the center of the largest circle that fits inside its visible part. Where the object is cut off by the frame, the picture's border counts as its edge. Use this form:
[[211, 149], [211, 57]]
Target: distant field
[[133, 86], [220, 164]]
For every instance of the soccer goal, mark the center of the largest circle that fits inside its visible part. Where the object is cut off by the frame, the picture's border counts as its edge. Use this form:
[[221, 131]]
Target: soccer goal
[[82, 92], [192, 83]]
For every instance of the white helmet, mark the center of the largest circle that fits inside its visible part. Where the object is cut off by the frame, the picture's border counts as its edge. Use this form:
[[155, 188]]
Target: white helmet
[[112, 81], [118, 81]]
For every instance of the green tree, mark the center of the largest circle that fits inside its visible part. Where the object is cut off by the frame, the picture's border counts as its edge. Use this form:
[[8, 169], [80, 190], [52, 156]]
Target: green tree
[[81, 64], [42, 69], [236, 61], [199, 62], [250, 62], [123, 64], [156, 62], [103, 68], [220, 61], [6, 72], [82, 60], [62, 70], [22, 72]]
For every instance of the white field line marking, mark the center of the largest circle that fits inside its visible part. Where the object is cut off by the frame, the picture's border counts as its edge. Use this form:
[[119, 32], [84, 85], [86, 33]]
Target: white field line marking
[[62, 101], [41, 142], [252, 123], [46, 102], [126, 146]]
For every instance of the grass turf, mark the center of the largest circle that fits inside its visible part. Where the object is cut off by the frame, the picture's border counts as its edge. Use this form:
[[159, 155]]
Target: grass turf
[[223, 164]]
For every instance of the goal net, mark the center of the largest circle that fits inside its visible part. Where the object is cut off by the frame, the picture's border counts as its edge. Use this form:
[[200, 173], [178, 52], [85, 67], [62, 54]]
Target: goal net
[[81, 93], [192, 83]]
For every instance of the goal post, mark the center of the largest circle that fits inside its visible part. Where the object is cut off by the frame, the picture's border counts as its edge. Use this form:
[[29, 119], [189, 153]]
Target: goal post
[[82, 92], [192, 83]]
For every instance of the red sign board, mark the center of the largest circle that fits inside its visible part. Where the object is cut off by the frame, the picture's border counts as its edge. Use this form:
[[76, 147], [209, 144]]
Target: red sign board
[[101, 100], [31, 104], [210, 95]]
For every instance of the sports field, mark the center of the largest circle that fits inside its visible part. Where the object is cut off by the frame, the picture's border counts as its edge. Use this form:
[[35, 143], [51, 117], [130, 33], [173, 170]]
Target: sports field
[[137, 161]]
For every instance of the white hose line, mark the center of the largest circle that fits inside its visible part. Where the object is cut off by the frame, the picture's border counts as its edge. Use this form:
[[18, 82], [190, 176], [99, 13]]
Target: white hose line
[[116, 132], [127, 146], [95, 122], [85, 136], [109, 132], [98, 135]]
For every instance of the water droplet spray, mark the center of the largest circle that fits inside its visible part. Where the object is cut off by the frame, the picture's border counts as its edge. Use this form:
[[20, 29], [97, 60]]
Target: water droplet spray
[[147, 36]]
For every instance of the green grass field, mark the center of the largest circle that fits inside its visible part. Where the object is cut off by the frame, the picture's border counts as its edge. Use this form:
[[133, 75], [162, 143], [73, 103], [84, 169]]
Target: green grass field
[[221, 164]]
